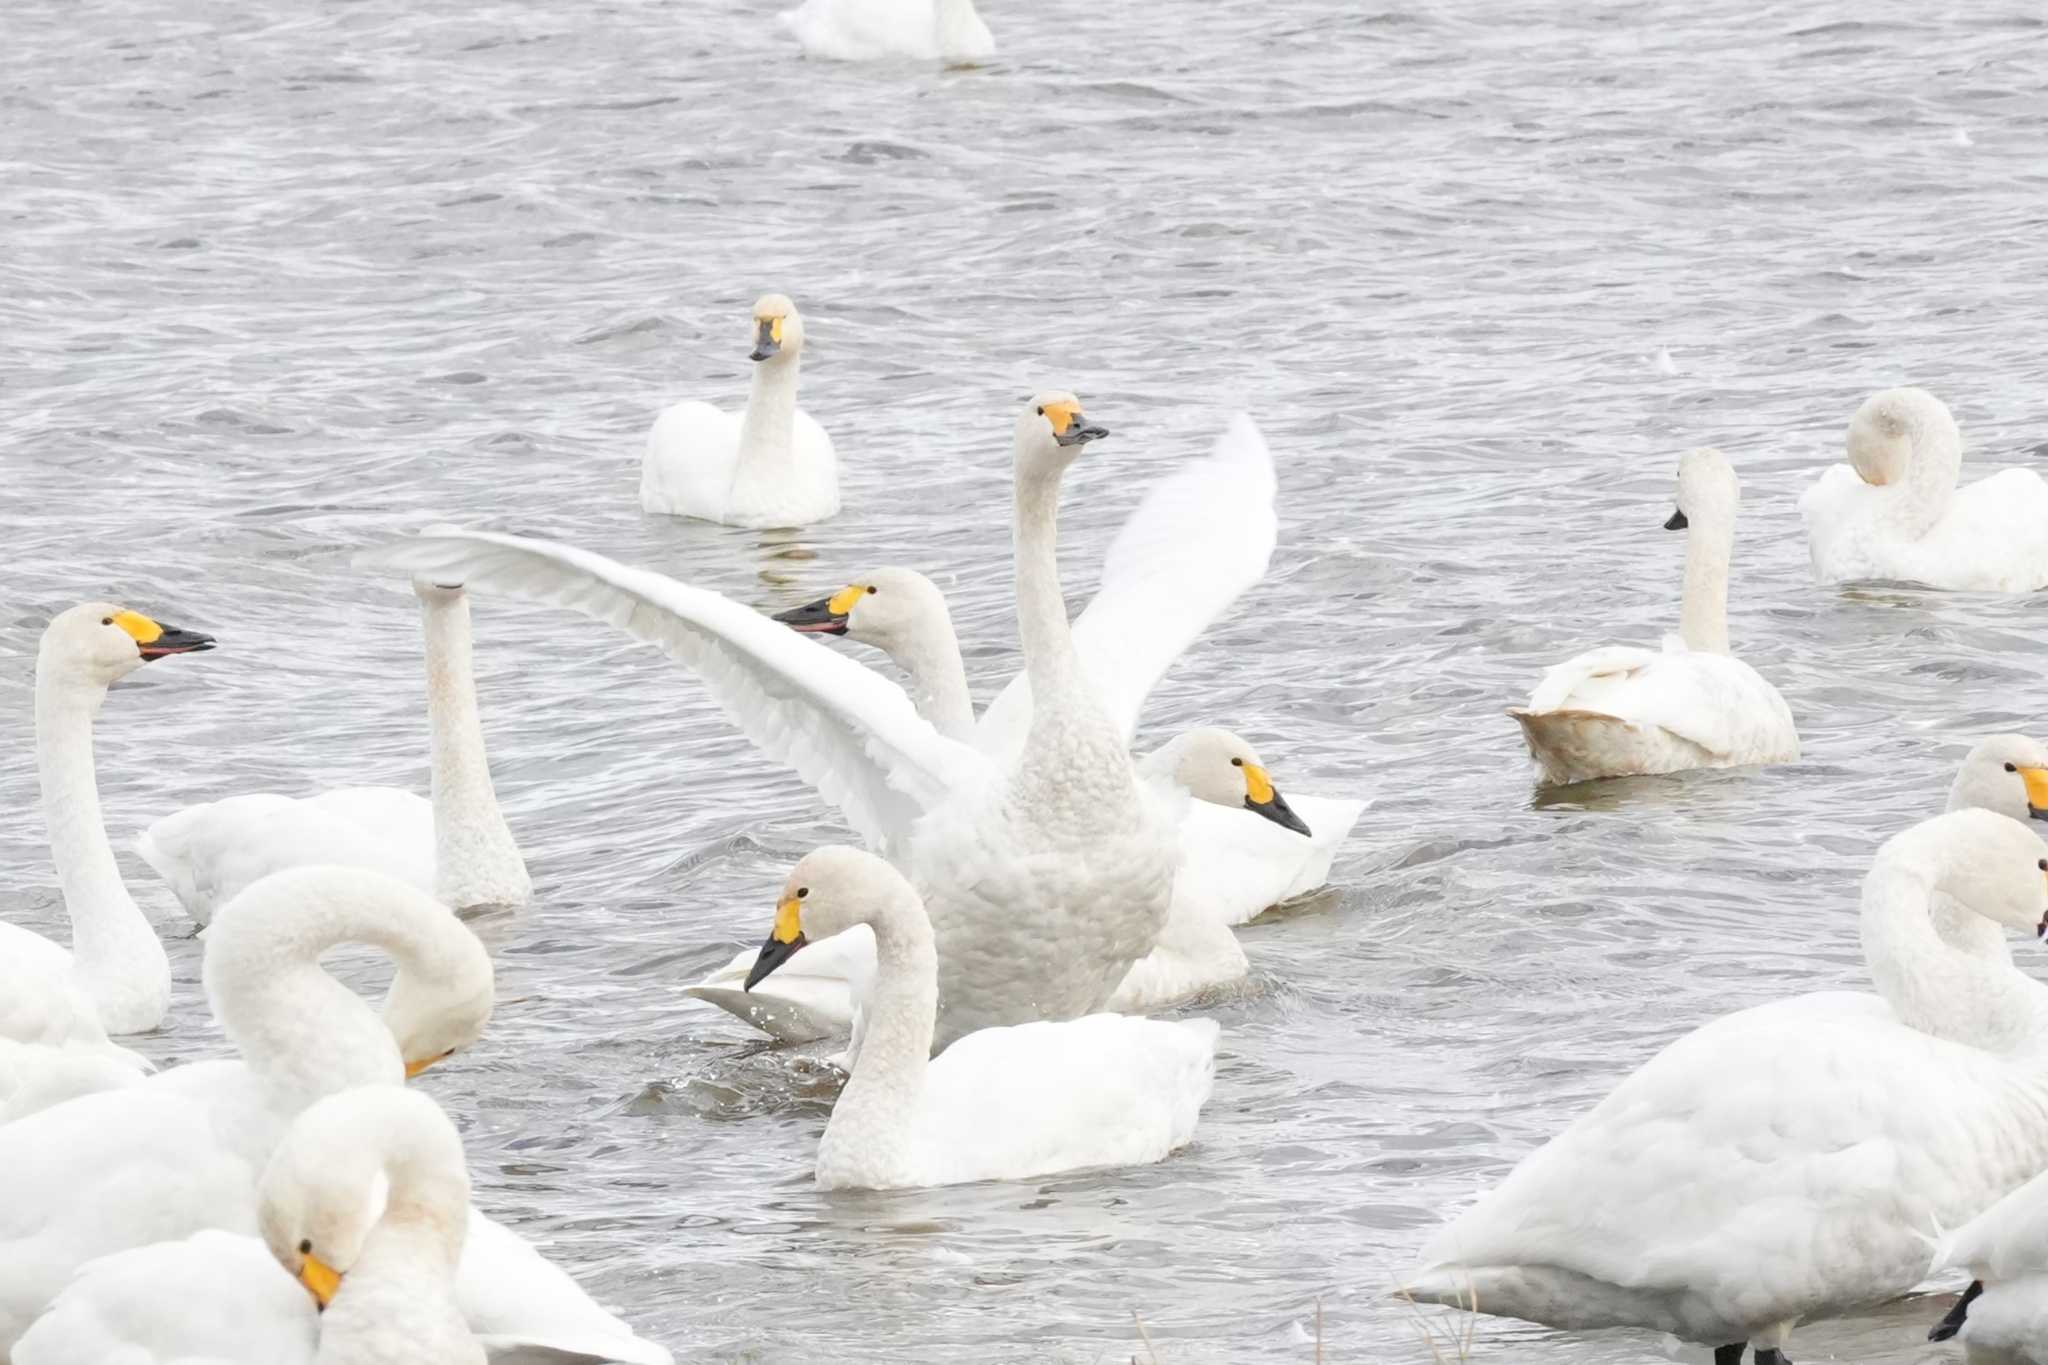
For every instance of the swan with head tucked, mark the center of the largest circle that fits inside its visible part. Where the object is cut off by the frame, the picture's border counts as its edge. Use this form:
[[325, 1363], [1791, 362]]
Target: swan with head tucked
[[871, 30], [364, 1207], [1045, 875], [1789, 1161], [456, 847], [1894, 512], [1002, 1103], [1621, 709], [771, 466], [57, 1006]]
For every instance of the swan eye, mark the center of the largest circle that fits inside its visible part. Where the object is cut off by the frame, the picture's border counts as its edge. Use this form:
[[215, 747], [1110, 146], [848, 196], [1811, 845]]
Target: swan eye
[[872, 590], [2010, 768], [802, 891], [2043, 864], [1041, 411], [306, 1246], [108, 621], [1237, 763]]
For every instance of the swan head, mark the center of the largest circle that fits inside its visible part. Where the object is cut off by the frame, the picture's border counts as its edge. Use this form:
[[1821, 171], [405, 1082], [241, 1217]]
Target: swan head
[[433, 1014], [1219, 767], [829, 891], [1708, 490], [1889, 426], [98, 643], [344, 1160], [2005, 773], [1052, 431], [778, 329], [886, 608], [1995, 866]]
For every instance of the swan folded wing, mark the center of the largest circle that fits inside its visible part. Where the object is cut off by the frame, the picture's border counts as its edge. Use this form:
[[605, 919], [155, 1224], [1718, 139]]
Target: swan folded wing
[[1993, 538], [688, 468], [513, 1297], [811, 996], [1713, 701], [1198, 540], [2007, 1240], [1240, 863], [849, 732], [1777, 1160]]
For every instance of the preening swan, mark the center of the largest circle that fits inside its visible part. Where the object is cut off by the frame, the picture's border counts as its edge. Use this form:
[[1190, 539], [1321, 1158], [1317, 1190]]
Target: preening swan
[[1046, 876], [1000, 1104], [773, 466], [866, 30], [1621, 709], [456, 847], [57, 1006], [1893, 512], [1789, 1161]]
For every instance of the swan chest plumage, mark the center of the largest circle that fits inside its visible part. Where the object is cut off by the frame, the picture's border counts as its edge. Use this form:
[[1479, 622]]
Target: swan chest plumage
[[770, 466], [1786, 1161], [871, 30], [1619, 710], [1003, 1103], [456, 846], [1894, 511]]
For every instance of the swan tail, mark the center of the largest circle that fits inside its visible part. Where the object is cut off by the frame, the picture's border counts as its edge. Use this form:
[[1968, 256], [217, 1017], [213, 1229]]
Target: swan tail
[[158, 846], [1579, 746]]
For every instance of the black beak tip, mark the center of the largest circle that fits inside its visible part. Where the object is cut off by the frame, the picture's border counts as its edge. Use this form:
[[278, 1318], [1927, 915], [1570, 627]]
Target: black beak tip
[[2035, 812], [758, 354], [1677, 522], [774, 952], [1280, 813], [814, 618], [176, 642]]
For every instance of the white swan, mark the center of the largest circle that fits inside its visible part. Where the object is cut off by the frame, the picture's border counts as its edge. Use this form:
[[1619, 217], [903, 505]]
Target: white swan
[[1618, 710], [1002, 1103], [868, 30], [57, 1006], [456, 847], [1789, 1161], [365, 1208], [1046, 876], [773, 466], [1893, 512], [2003, 1316], [2007, 774]]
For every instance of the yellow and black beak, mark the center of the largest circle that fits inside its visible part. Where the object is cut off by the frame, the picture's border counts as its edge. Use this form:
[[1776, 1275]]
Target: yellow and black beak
[[767, 338], [1678, 521], [782, 943], [1069, 427], [826, 616], [1263, 797], [2037, 791], [414, 1068], [322, 1279], [154, 640]]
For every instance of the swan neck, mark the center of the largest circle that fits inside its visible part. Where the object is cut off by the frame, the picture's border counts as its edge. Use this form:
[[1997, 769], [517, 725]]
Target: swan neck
[[767, 449], [938, 677], [1048, 641], [116, 956], [1931, 984], [476, 861], [872, 1124], [1930, 482], [1703, 619]]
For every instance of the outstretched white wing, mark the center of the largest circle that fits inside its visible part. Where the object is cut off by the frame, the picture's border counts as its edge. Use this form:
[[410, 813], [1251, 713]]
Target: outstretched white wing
[[1197, 541], [847, 731]]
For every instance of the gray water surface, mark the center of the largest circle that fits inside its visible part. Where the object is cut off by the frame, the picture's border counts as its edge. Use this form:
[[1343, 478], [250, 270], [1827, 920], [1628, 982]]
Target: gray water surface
[[282, 280]]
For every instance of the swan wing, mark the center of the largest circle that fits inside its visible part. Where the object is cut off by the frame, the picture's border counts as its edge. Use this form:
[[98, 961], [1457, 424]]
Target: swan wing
[[1718, 703], [512, 1297], [849, 732], [1200, 538], [688, 468], [809, 997], [1994, 537], [2005, 1241], [1238, 863]]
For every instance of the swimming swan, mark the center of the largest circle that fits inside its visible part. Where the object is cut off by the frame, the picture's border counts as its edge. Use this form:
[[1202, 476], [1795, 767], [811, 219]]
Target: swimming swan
[[1894, 512], [1789, 1161], [364, 1208], [1045, 876], [1621, 709], [456, 847], [773, 466], [867, 30], [2008, 774], [1003, 1103], [58, 1005]]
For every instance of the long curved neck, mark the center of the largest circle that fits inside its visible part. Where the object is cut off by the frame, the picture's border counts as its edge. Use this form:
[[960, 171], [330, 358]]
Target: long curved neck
[[1930, 482], [116, 955], [767, 449], [476, 861], [1931, 984], [930, 657], [871, 1126], [1703, 619]]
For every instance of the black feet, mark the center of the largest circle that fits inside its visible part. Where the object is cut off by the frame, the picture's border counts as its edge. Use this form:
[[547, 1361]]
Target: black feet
[[1953, 1323], [1729, 1355], [1770, 1355]]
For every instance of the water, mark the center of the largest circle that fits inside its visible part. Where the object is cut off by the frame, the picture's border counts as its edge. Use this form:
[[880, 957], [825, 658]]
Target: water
[[283, 280]]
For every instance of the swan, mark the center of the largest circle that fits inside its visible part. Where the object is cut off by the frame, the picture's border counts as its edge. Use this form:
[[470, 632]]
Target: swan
[[2007, 774], [456, 847], [868, 30], [1893, 512], [364, 1209], [58, 1005], [1788, 1161], [1003, 1103], [1046, 876], [2003, 1316], [773, 466], [1621, 709]]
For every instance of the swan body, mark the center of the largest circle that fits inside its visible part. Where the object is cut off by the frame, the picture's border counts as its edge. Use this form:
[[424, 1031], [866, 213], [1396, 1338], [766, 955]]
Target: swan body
[[873, 30], [456, 847], [1003, 1103], [1619, 710], [58, 1005], [2003, 1318], [771, 466], [1045, 875], [1787, 1161], [1894, 512]]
